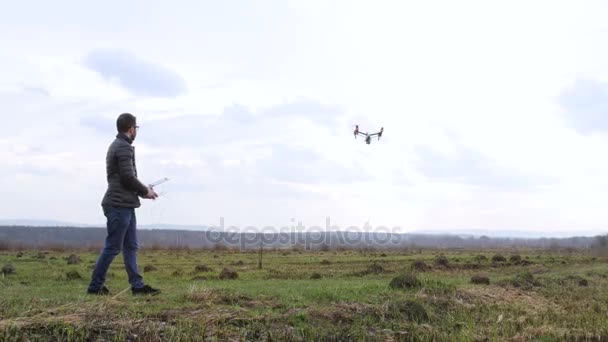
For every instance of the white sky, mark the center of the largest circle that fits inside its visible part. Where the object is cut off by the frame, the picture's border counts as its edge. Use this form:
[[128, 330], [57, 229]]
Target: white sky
[[495, 113]]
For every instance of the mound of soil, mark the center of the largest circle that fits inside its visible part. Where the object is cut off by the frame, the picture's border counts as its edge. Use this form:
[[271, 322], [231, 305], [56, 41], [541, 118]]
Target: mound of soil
[[73, 275], [202, 268], [73, 259], [575, 279], [406, 281], [480, 258], [316, 276], [8, 269], [228, 273], [411, 310], [525, 280], [420, 266], [442, 261], [479, 279], [498, 258], [515, 259], [470, 266], [375, 269], [149, 268]]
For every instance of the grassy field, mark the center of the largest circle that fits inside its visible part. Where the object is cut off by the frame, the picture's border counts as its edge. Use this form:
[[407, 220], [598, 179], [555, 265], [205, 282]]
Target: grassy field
[[301, 295]]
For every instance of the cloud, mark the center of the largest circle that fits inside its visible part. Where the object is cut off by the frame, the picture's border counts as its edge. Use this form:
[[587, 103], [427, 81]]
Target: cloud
[[136, 75], [308, 108], [298, 164], [237, 124], [585, 106], [99, 124], [37, 90], [469, 167]]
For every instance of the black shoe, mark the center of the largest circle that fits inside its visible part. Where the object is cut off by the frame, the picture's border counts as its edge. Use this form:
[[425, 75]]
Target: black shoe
[[102, 291], [145, 290]]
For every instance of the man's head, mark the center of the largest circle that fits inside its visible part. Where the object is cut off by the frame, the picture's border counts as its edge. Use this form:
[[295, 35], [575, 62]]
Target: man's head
[[127, 124]]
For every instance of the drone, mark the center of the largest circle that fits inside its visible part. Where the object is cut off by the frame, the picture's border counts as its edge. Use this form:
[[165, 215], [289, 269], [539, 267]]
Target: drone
[[368, 137]]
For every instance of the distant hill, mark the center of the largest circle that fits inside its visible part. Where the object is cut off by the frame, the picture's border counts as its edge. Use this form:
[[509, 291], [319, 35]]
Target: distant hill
[[52, 223], [41, 223], [89, 237]]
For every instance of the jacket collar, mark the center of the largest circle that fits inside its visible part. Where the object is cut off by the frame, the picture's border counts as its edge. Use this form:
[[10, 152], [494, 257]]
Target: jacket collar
[[124, 137]]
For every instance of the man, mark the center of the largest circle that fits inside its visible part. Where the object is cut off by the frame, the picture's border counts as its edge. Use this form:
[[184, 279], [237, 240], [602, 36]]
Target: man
[[119, 203]]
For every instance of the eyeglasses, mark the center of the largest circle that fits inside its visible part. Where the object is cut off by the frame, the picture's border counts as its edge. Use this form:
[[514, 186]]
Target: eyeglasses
[[136, 127]]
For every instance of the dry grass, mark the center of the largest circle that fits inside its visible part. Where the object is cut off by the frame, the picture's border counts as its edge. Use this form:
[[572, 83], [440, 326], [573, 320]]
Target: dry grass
[[355, 297]]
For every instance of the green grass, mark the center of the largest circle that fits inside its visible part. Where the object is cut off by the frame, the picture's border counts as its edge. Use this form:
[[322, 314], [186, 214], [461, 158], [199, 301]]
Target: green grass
[[281, 302]]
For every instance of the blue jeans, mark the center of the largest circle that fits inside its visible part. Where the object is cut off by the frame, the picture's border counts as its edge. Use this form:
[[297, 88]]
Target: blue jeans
[[121, 225]]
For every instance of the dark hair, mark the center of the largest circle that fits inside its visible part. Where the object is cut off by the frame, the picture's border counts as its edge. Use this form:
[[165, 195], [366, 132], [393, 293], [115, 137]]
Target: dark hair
[[124, 122]]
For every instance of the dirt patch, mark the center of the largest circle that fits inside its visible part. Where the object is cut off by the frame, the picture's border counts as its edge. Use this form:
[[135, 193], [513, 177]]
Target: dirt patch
[[531, 302], [217, 296], [225, 297], [110, 327], [340, 313]]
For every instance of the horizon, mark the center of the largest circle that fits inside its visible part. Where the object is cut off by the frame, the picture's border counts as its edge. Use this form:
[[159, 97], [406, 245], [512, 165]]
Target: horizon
[[249, 109], [469, 233]]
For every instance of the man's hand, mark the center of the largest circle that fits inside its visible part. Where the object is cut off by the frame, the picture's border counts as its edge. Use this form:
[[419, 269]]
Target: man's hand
[[151, 194]]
